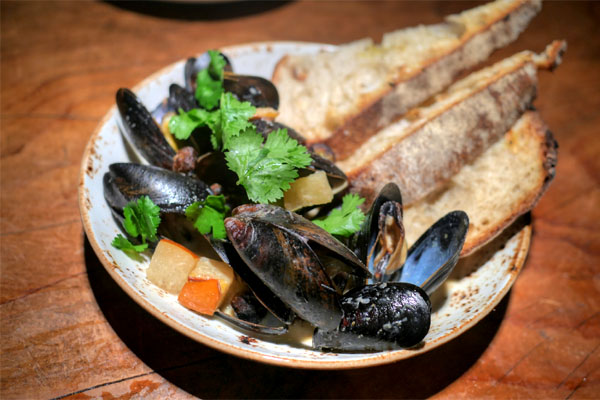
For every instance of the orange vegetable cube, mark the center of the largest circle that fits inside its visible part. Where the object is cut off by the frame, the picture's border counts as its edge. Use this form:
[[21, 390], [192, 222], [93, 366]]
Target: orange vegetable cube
[[201, 296]]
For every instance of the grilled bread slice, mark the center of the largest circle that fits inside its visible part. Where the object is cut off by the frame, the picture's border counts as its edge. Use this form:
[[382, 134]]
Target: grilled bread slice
[[423, 150], [343, 97], [506, 181]]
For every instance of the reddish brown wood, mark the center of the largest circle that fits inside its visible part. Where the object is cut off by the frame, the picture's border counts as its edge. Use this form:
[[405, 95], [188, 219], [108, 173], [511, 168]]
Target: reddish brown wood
[[68, 330]]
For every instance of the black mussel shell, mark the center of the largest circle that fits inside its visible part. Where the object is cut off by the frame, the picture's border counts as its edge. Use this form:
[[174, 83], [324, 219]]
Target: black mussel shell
[[194, 65], [263, 293], [260, 92], [375, 317], [433, 256], [265, 127], [307, 231], [367, 235], [141, 130], [288, 266], [179, 99], [171, 191]]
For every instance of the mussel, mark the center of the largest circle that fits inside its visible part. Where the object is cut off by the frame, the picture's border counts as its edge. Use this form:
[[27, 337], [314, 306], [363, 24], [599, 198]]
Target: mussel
[[281, 248], [142, 132], [172, 192], [375, 317], [260, 92], [395, 309]]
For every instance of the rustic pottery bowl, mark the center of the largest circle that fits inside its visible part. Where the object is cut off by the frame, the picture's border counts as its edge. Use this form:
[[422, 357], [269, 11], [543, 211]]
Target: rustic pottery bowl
[[478, 283]]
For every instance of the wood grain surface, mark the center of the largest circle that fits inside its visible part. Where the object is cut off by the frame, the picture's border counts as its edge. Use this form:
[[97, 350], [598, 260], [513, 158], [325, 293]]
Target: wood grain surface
[[67, 330]]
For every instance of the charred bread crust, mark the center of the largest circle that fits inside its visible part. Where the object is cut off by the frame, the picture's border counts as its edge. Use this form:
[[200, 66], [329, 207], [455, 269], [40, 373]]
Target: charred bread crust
[[433, 152], [505, 182], [421, 155], [475, 34], [548, 158], [411, 90]]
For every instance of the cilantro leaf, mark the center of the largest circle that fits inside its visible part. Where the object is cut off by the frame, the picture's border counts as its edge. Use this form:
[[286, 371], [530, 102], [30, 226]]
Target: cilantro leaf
[[209, 215], [208, 90], [142, 218], [122, 243], [225, 122], [209, 81], [185, 123], [234, 117], [265, 171], [346, 220], [217, 64]]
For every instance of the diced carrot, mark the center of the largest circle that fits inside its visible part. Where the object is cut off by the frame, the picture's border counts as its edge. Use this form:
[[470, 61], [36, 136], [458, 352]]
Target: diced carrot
[[201, 296]]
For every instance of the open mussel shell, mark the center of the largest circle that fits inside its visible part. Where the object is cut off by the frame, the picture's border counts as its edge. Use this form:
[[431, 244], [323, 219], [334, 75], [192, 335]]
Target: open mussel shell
[[193, 65], [260, 92], [278, 246], [171, 191], [141, 130], [179, 99], [311, 233], [375, 317], [263, 293], [433, 256], [288, 267], [367, 237]]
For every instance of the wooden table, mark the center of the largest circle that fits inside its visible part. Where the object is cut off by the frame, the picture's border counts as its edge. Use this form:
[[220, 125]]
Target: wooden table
[[68, 330]]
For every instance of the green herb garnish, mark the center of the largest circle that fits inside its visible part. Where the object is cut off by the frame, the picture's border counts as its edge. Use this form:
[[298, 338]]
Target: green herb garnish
[[209, 81], [346, 220], [141, 219], [209, 215], [265, 171]]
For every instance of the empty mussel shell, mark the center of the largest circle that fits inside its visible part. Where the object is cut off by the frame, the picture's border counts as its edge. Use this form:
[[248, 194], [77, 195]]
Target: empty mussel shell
[[141, 130], [433, 256]]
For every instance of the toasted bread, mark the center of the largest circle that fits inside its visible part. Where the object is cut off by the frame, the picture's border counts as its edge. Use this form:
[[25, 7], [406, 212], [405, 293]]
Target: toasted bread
[[504, 182], [423, 150], [346, 96]]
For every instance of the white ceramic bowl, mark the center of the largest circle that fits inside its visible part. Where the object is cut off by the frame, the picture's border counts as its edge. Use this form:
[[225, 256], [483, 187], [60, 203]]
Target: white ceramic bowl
[[476, 286]]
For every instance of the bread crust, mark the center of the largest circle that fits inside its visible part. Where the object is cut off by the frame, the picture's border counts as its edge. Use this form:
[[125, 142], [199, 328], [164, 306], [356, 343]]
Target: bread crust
[[538, 153], [410, 87], [436, 149], [411, 90], [421, 156]]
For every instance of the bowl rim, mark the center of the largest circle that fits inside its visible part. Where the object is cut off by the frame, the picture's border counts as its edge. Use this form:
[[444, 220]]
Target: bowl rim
[[374, 359]]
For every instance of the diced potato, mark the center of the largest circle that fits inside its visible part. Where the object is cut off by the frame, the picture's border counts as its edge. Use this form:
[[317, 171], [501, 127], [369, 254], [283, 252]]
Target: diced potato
[[201, 296], [238, 286], [170, 266], [207, 268], [310, 190]]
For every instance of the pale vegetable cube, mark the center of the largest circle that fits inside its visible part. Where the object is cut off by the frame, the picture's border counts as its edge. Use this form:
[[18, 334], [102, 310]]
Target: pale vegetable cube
[[170, 266], [238, 286], [207, 268], [310, 190]]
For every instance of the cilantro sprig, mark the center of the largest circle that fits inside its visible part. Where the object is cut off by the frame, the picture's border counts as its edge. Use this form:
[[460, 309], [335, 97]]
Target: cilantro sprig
[[264, 168], [141, 219], [209, 81], [209, 215], [346, 220]]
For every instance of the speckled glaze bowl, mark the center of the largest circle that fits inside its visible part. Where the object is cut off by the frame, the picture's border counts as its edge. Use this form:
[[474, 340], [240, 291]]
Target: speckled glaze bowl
[[478, 283]]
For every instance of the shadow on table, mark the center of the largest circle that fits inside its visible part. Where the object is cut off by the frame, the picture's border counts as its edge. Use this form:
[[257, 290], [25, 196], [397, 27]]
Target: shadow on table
[[198, 11], [207, 373]]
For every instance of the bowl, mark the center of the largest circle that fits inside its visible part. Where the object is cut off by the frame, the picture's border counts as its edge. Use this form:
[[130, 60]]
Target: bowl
[[476, 286]]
